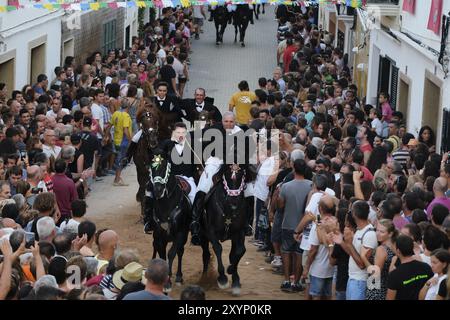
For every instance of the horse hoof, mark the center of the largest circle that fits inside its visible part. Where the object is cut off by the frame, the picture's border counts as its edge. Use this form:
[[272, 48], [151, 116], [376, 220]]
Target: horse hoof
[[217, 43], [167, 289], [242, 44], [179, 283], [236, 291], [224, 285]]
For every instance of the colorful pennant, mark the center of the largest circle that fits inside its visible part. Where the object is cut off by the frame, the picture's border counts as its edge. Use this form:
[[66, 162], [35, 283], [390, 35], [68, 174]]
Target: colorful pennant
[[85, 6]]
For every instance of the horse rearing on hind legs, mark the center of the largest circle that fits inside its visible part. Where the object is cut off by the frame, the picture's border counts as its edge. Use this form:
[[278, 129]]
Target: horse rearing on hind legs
[[226, 219], [171, 212]]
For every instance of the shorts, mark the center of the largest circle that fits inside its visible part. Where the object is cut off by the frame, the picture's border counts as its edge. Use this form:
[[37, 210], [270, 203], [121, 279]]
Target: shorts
[[288, 243], [121, 153], [276, 227], [198, 21], [182, 80], [320, 287]]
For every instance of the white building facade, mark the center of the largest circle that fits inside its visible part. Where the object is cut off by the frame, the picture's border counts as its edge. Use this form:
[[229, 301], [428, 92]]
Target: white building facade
[[403, 60], [29, 45]]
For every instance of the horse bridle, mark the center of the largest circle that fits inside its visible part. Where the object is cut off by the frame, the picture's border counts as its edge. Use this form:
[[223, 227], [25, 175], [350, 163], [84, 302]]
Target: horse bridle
[[149, 115], [234, 192], [161, 180]]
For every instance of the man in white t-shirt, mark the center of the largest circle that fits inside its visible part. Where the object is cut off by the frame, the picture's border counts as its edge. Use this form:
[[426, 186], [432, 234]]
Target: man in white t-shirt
[[261, 190], [363, 241], [97, 112], [318, 263]]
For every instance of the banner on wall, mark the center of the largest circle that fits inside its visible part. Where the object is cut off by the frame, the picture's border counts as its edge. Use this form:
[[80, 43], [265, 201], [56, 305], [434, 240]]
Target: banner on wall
[[434, 20], [409, 6], [85, 6]]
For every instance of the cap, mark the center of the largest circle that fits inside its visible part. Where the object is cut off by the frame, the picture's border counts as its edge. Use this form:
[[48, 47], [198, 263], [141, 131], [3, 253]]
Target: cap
[[413, 142], [87, 122]]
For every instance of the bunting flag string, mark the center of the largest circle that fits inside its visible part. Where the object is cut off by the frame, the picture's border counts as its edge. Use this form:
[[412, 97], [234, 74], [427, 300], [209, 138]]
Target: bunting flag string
[[51, 5]]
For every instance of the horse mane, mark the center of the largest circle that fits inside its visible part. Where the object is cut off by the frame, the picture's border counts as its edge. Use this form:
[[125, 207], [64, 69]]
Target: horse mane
[[145, 106]]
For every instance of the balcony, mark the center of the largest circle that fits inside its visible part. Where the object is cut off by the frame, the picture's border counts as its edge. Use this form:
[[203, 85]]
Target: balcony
[[387, 8]]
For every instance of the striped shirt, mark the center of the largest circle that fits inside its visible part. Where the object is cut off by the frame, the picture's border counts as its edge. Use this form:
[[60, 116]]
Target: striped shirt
[[402, 156]]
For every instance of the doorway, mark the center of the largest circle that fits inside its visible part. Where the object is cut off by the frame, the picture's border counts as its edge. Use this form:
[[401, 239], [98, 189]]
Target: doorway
[[403, 98], [7, 73], [68, 49], [431, 105], [37, 62]]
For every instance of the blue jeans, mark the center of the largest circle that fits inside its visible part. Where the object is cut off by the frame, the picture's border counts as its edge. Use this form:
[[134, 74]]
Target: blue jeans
[[258, 232], [340, 295], [356, 289]]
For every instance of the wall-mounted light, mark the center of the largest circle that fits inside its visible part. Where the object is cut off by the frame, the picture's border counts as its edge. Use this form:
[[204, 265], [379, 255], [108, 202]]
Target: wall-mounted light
[[360, 67], [355, 49]]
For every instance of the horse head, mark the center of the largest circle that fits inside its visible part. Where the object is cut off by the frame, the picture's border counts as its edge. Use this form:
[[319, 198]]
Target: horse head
[[234, 184], [149, 121], [160, 173], [204, 119]]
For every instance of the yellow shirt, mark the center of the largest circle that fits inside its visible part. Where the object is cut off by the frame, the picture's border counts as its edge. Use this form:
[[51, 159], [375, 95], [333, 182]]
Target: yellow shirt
[[120, 120], [242, 102]]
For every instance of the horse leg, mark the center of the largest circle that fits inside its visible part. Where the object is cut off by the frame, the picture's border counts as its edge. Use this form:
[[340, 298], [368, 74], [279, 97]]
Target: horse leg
[[243, 27], [256, 11], [217, 32], [235, 33], [222, 280], [206, 254], [264, 8], [155, 249], [171, 257], [222, 31], [236, 253], [181, 241], [241, 35]]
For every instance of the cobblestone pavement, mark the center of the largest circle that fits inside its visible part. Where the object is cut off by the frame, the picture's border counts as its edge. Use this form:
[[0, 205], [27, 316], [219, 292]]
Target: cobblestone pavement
[[219, 69]]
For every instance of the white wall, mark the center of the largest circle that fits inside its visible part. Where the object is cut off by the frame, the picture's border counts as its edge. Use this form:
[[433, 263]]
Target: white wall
[[413, 61], [416, 24], [131, 16], [28, 32]]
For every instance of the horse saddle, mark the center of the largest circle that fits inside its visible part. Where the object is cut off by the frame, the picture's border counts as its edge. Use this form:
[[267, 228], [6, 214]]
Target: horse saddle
[[184, 184]]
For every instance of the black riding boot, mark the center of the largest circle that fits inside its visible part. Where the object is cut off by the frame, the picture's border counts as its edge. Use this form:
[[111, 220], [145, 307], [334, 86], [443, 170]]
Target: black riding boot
[[149, 222], [130, 152], [197, 211]]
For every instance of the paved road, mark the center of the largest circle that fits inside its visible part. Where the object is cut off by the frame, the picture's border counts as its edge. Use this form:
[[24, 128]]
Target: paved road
[[219, 69]]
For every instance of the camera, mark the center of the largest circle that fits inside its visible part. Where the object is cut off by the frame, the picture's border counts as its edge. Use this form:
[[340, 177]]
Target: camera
[[29, 239], [36, 190]]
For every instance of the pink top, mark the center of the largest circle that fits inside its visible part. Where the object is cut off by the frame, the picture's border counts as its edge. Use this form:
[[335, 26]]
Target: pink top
[[386, 111]]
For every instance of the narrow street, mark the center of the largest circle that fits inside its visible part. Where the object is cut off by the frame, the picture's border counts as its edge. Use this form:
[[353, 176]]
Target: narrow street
[[218, 69]]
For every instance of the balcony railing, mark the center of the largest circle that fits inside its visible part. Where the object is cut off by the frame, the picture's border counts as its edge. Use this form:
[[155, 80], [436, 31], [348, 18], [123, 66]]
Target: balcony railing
[[387, 8]]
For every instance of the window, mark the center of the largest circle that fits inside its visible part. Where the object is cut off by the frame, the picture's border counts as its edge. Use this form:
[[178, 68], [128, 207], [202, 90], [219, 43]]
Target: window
[[109, 36]]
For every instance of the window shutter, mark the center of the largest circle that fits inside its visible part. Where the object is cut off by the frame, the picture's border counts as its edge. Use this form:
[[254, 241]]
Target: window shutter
[[394, 87]]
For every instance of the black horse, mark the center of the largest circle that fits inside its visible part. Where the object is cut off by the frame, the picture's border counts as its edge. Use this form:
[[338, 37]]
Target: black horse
[[241, 17], [226, 219], [171, 213], [221, 17]]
